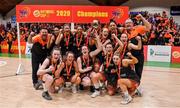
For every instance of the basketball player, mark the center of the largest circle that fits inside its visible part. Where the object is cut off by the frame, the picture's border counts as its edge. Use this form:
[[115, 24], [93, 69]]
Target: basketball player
[[134, 31], [86, 61], [65, 40], [47, 71], [79, 41], [128, 80], [68, 72]]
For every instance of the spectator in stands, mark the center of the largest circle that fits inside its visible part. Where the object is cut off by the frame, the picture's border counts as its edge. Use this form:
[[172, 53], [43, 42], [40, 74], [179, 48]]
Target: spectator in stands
[[9, 40], [2, 37]]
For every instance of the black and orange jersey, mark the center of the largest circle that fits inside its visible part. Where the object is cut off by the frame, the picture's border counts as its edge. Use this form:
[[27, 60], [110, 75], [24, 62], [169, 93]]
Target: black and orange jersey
[[129, 73], [85, 64], [68, 71], [39, 49]]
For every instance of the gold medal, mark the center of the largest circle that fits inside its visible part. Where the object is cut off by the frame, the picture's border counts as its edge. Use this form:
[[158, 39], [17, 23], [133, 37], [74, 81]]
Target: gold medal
[[66, 47]]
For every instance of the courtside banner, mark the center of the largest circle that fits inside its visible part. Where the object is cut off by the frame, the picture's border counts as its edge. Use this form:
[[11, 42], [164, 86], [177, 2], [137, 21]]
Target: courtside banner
[[86, 14], [159, 53], [175, 54], [68, 14], [44, 13], [14, 48], [145, 52]]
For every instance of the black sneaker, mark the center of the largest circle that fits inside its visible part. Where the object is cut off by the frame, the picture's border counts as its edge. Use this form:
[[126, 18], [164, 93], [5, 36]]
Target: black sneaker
[[92, 89], [81, 87], [46, 96], [38, 85]]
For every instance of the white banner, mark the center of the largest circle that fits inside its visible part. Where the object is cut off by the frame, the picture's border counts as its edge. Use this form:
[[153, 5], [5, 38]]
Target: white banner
[[159, 53]]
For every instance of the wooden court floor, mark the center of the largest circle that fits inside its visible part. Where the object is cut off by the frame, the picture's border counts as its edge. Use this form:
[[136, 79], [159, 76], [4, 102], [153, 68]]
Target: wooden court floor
[[161, 88]]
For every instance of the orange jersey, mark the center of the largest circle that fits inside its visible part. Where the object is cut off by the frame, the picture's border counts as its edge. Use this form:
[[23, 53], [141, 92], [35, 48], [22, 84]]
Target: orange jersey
[[38, 38], [168, 35], [136, 30]]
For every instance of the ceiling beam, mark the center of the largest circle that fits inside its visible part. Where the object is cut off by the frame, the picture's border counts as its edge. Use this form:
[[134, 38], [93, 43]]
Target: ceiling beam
[[109, 2]]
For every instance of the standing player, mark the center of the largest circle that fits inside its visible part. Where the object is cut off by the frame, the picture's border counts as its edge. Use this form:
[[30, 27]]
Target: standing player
[[39, 53], [65, 40], [134, 31], [53, 38], [79, 41]]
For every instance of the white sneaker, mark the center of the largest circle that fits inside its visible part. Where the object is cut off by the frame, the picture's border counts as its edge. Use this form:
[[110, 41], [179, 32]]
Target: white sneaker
[[126, 100], [61, 89], [74, 89], [95, 94], [68, 84], [139, 92]]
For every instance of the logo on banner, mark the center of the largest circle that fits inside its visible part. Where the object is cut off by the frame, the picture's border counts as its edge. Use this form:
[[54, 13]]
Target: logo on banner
[[24, 12], [36, 13], [151, 52], [176, 54], [158, 53], [117, 13]]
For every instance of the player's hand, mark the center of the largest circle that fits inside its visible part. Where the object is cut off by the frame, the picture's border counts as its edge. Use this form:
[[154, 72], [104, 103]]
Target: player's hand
[[113, 71], [129, 54], [32, 34], [89, 68], [139, 16], [51, 68], [138, 38], [113, 35]]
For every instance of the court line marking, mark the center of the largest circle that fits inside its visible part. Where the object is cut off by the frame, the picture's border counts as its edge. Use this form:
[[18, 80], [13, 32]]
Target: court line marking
[[170, 71], [3, 63], [6, 76]]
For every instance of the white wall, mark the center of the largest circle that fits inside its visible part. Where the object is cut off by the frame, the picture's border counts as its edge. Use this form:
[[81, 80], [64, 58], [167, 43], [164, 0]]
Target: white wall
[[57, 2], [2, 20]]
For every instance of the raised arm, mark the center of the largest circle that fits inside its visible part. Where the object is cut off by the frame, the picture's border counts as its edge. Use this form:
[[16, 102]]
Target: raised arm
[[119, 42], [50, 41], [146, 23], [30, 37], [132, 61], [136, 47], [99, 47], [59, 38]]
